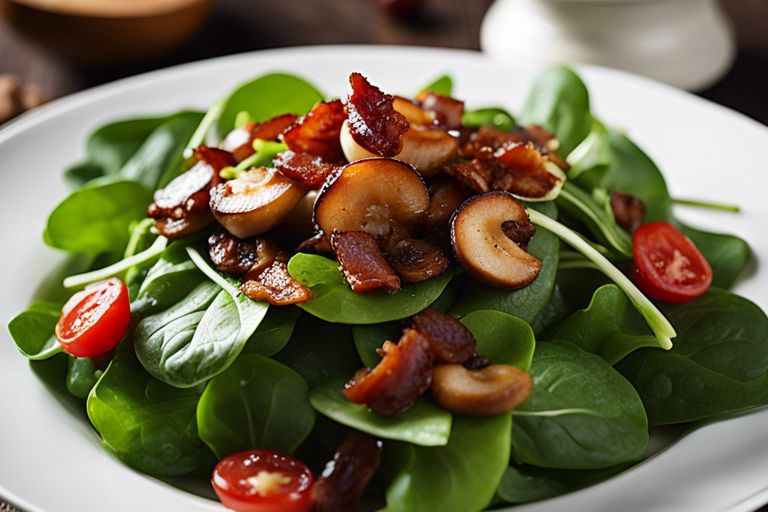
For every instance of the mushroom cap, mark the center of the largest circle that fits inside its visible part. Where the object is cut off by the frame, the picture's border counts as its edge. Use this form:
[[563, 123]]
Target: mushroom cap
[[255, 202], [482, 247], [492, 390], [372, 195]]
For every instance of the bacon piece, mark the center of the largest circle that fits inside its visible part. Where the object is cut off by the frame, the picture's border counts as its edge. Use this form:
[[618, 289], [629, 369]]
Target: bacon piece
[[317, 133], [181, 208], [402, 376], [311, 170], [524, 173], [628, 210], [275, 285], [448, 111], [361, 261], [373, 121], [519, 232], [237, 256], [476, 362], [417, 260], [476, 174], [446, 195], [240, 140], [345, 478], [449, 340]]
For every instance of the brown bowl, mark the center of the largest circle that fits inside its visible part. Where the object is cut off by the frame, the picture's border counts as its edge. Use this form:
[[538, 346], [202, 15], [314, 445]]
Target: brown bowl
[[107, 31]]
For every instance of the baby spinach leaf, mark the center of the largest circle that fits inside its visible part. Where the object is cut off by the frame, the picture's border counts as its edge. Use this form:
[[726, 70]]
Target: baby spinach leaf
[[334, 301], [82, 375], [146, 423], [368, 338], [33, 330], [422, 424], [581, 413], [526, 484], [718, 365], [593, 155], [320, 351], [502, 338], [97, 217], [525, 303], [559, 101], [610, 326], [461, 476], [491, 116], [273, 332], [440, 85], [255, 403], [168, 281], [727, 254]]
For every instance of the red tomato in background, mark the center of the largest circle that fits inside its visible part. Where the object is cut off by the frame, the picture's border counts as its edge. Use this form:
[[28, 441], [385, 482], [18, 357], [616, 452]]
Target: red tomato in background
[[669, 266], [94, 320], [263, 481]]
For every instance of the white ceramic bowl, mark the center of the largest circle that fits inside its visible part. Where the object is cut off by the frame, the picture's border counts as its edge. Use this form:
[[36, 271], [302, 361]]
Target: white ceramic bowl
[[50, 458]]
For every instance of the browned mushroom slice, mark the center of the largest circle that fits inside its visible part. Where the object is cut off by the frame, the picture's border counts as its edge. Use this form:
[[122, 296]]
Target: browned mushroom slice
[[275, 285], [495, 389], [237, 256], [361, 261], [417, 260], [446, 195], [255, 202], [298, 223], [483, 248], [377, 195], [449, 340]]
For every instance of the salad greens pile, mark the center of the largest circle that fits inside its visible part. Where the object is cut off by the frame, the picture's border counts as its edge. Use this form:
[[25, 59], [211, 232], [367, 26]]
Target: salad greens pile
[[205, 371]]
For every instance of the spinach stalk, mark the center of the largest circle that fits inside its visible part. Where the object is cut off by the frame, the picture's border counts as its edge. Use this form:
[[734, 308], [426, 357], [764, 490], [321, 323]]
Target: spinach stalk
[[658, 323], [707, 205]]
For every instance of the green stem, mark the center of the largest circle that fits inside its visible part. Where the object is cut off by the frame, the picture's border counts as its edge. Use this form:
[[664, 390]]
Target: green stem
[[556, 412], [201, 132], [658, 323], [576, 265], [708, 205], [80, 280]]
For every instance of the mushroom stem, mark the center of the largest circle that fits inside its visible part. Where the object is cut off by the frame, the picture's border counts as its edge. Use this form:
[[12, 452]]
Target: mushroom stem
[[655, 319]]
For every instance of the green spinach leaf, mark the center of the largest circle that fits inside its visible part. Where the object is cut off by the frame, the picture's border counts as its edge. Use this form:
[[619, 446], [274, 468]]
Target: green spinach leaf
[[491, 116], [273, 332], [255, 403], [727, 254], [440, 85], [82, 375], [502, 338], [581, 413], [33, 330], [168, 281]]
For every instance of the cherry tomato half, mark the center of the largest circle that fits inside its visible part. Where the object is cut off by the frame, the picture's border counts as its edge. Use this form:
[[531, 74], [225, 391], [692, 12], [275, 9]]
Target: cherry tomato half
[[94, 320], [669, 267], [263, 481]]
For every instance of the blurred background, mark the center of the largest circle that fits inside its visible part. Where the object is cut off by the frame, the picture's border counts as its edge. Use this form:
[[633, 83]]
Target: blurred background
[[50, 48]]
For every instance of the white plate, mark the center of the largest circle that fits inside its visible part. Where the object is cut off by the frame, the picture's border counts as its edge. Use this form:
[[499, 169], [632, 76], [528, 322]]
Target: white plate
[[51, 460]]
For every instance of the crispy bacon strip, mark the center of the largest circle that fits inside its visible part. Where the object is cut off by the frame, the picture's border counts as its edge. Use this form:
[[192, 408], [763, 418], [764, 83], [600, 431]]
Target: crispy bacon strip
[[311, 170], [417, 260], [449, 340], [345, 478], [361, 261], [275, 285], [629, 211], [373, 121], [488, 140], [524, 173], [240, 140], [519, 232], [402, 376], [317, 133], [448, 111]]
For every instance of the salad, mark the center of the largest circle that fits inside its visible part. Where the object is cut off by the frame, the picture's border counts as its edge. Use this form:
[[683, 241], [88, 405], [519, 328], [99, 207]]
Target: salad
[[387, 302]]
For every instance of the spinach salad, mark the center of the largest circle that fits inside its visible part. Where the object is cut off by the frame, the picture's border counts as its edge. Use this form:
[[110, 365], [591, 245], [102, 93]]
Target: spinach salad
[[397, 302]]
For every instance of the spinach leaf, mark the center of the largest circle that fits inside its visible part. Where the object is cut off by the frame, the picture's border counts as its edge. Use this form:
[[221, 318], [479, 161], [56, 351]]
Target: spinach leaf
[[610, 326], [168, 281], [33, 330], [593, 155], [525, 484], [727, 254], [423, 423], [273, 332], [368, 338], [255, 403], [320, 351], [581, 413], [440, 85], [82, 375], [525, 303], [718, 365], [461, 476], [334, 301], [146, 423], [97, 217], [559, 101], [491, 116], [502, 338]]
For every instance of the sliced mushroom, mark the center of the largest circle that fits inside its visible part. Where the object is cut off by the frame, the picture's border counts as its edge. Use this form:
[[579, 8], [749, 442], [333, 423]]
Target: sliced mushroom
[[446, 195], [412, 112], [483, 248], [298, 223], [417, 260], [255, 202], [495, 389], [237, 256], [378, 195]]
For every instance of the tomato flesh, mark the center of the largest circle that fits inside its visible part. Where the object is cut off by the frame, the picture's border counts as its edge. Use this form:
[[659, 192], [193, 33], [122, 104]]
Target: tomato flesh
[[94, 320], [668, 265], [263, 481]]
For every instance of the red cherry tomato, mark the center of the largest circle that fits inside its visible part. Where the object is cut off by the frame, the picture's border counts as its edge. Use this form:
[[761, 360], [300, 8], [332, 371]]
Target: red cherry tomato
[[263, 481], [669, 267], [94, 320]]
